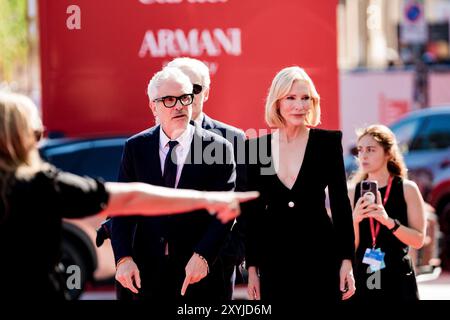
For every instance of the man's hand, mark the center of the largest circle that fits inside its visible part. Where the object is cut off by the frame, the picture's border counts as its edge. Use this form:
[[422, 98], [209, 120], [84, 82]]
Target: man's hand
[[127, 271], [196, 270]]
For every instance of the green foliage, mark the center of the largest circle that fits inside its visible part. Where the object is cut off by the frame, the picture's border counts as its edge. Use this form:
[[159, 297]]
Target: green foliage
[[13, 36]]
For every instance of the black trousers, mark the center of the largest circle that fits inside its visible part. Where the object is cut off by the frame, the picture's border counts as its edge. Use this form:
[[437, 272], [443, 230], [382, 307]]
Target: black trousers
[[162, 281]]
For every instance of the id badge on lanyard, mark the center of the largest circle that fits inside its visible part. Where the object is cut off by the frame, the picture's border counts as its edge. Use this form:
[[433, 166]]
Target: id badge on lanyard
[[375, 257]]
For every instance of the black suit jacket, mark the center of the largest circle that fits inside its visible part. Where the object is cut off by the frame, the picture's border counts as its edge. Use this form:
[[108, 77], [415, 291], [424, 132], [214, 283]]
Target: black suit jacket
[[237, 138], [144, 238], [233, 252], [289, 224]]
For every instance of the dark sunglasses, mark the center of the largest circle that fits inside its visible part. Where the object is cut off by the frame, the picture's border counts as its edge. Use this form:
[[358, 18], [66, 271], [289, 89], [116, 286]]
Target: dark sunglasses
[[38, 134], [196, 88]]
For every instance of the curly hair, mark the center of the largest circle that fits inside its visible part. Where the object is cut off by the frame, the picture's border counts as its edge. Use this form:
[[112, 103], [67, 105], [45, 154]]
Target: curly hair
[[386, 139]]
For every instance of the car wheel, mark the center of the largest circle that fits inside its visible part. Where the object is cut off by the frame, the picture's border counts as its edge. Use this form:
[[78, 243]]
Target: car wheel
[[75, 270]]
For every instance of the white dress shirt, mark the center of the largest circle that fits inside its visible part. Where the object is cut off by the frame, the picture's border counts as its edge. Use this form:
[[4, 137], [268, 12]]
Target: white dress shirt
[[182, 149]]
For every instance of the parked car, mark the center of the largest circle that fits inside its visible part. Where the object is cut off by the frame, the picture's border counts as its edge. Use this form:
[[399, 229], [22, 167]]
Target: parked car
[[99, 157], [424, 140]]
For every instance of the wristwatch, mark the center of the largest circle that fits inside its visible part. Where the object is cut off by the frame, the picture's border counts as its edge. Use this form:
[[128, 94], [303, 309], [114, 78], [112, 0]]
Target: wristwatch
[[396, 225]]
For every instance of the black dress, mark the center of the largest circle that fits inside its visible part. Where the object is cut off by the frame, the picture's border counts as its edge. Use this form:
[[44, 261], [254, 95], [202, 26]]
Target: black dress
[[397, 281], [30, 231], [296, 246]]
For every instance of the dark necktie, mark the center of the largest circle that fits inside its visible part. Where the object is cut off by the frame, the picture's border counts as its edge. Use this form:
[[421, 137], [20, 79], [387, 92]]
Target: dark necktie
[[170, 166]]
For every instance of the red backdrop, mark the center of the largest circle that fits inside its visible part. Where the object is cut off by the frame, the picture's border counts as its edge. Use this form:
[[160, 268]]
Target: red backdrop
[[94, 79]]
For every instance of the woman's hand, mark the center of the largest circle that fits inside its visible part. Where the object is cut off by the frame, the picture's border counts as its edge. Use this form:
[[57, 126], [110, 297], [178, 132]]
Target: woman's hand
[[253, 284], [226, 204], [378, 212], [361, 210], [347, 280]]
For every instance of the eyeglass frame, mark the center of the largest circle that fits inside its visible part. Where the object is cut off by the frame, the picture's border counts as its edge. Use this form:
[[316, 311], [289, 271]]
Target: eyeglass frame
[[176, 100]]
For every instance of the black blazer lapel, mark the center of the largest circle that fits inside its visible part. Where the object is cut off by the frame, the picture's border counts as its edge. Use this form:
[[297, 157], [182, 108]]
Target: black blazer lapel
[[207, 123], [149, 161]]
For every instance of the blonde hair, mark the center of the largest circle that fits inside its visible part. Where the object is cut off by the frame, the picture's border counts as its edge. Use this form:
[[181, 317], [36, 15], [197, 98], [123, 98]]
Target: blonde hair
[[19, 157], [19, 123], [280, 87], [386, 139]]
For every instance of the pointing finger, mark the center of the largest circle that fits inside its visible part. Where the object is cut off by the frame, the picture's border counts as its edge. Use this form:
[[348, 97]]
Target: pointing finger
[[186, 283]]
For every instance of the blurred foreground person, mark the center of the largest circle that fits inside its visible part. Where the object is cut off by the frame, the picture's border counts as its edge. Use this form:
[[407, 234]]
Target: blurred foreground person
[[36, 196]]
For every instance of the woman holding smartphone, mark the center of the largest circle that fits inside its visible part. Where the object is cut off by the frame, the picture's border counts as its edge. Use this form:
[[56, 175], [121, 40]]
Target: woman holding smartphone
[[292, 168], [387, 227]]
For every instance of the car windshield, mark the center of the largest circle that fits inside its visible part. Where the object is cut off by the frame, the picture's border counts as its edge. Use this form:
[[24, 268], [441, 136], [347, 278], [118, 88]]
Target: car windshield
[[404, 132], [435, 135]]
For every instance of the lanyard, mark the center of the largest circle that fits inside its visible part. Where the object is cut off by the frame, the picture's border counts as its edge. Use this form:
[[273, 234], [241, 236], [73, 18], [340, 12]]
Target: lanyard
[[374, 225]]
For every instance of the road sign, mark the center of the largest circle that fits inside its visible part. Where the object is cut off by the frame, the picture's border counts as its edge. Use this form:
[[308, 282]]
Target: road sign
[[413, 27]]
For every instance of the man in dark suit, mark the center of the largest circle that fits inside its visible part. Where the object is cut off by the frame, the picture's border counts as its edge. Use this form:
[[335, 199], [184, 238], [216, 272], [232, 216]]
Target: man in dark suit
[[158, 258], [232, 253]]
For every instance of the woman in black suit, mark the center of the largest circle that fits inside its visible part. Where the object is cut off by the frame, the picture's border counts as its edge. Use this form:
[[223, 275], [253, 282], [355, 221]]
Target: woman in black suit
[[291, 168], [34, 197]]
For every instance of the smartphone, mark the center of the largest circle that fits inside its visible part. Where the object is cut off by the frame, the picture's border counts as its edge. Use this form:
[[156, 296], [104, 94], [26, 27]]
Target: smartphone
[[369, 190]]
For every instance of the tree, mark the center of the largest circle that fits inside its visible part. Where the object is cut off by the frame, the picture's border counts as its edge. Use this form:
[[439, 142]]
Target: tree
[[13, 37]]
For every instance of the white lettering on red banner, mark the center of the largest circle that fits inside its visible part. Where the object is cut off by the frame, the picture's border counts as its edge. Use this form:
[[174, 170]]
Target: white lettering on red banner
[[173, 43]]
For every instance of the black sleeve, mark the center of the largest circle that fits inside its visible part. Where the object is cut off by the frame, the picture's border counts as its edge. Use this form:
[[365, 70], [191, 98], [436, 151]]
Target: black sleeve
[[250, 218], [339, 202], [235, 244], [75, 196], [122, 228]]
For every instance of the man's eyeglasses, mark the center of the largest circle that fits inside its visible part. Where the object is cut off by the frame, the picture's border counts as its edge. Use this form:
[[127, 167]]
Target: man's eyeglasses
[[197, 88], [171, 101]]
